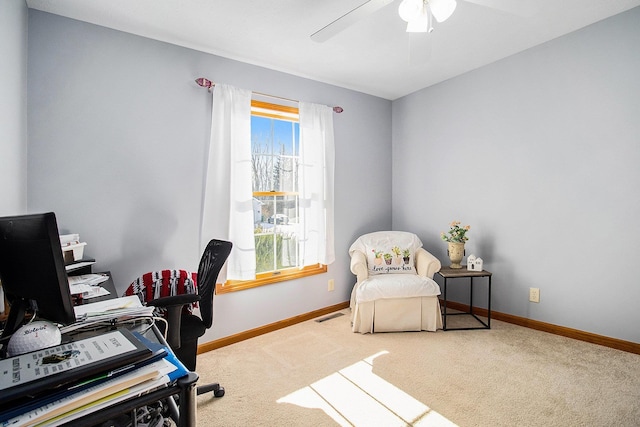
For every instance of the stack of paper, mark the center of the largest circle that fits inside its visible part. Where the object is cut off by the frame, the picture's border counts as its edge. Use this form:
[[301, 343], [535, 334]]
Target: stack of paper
[[88, 279], [86, 285], [101, 390], [117, 309]]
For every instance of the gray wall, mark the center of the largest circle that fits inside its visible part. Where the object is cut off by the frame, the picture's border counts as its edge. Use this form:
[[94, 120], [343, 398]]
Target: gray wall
[[117, 136], [540, 154], [13, 107]]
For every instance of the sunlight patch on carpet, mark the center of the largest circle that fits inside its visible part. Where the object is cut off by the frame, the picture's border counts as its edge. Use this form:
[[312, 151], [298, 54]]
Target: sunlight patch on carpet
[[355, 396], [286, 352]]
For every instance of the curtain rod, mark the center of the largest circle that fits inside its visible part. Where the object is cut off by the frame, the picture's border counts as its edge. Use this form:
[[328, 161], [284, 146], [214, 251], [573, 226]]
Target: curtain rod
[[209, 85]]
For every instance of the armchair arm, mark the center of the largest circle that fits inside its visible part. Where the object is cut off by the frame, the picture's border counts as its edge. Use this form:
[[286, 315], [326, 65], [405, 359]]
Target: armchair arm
[[359, 265], [174, 305], [426, 264]]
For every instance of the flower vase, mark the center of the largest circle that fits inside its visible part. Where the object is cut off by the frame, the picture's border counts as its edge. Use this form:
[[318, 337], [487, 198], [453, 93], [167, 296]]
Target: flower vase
[[455, 252]]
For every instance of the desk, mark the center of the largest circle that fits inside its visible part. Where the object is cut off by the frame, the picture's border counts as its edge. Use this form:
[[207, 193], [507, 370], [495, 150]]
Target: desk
[[184, 387], [455, 273]]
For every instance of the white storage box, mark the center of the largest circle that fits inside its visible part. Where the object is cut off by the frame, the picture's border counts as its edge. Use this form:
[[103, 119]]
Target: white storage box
[[69, 239], [73, 252]]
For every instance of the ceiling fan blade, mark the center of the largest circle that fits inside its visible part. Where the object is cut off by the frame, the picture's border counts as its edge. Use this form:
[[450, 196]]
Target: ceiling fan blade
[[524, 9], [348, 19]]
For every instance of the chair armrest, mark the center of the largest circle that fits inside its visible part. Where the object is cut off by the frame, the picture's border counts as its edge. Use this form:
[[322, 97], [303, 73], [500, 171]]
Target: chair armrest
[[426, 264], [174, 300], [173, 305], [359, 265]]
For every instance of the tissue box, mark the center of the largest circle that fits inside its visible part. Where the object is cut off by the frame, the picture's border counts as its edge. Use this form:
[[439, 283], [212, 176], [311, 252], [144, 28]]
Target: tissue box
[[73, 252]]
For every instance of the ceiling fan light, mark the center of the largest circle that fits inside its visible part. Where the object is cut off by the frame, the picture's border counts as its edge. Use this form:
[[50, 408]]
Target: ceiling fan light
[[410, 10], [442, 9]]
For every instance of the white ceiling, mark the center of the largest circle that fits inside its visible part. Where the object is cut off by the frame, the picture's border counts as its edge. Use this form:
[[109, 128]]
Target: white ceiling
[[371, 56]]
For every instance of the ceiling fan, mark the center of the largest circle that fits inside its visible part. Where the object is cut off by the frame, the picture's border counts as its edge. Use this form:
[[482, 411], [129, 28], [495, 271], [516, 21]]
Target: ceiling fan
[[417, 13]]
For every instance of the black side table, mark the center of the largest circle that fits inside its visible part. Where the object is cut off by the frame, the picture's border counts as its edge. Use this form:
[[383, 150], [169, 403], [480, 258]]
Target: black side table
[[455, 273]]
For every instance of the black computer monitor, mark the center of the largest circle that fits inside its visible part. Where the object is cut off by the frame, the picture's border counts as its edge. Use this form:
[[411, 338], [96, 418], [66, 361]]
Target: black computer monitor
[[32, 271]]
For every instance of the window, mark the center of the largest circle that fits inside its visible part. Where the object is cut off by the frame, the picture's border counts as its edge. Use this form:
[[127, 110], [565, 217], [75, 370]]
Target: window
[[275, 139]]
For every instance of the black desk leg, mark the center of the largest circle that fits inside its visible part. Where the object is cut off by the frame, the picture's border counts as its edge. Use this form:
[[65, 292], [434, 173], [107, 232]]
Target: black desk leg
[[444, 316], [489, 306], [188, 411], [471, 296]]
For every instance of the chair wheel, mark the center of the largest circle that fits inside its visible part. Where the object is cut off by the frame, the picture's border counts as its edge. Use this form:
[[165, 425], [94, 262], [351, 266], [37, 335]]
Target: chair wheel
[[219, 392]]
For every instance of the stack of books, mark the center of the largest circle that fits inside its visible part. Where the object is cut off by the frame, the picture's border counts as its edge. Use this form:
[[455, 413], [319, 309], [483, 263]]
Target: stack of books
[[59, 384]]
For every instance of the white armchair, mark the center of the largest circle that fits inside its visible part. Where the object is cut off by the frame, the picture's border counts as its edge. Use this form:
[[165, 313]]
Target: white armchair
[[395, 290]]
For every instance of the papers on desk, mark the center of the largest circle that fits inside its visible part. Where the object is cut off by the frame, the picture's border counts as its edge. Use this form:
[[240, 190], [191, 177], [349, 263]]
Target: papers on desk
[[113, 308], [94, 398], [88, 279], [87, 285], [105, 390], [31, 377], [142, 380], [116, 309], [88, 292]]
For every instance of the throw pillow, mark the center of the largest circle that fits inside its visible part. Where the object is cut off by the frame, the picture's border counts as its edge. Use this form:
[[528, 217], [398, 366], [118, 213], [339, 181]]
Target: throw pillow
[[389, 252]]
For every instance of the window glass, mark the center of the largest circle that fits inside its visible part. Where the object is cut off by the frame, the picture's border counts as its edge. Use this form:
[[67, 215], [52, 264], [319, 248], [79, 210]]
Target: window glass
[[275, 147], [276, 233], [274, 154]]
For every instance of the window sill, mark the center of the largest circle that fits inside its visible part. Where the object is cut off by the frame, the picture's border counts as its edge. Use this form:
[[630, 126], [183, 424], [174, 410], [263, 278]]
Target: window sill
[[269, 278]]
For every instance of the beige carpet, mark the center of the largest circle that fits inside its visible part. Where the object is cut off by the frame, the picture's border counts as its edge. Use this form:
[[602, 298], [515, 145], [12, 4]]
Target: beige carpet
[[322, 374]]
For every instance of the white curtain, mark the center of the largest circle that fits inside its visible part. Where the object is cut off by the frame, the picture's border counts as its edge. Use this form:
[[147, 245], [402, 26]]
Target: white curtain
[[316, 171], [228, 198]]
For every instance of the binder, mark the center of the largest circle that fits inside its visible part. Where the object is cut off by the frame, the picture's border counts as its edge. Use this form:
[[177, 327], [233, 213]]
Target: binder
[[180, 369]]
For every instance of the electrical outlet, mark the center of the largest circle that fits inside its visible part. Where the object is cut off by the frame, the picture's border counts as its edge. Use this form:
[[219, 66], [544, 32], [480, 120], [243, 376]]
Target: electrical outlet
[[534, 294], [331, 285]]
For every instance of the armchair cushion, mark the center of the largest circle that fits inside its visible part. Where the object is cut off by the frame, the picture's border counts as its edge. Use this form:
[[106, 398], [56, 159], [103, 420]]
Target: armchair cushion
[[397, 286], [388, 252]]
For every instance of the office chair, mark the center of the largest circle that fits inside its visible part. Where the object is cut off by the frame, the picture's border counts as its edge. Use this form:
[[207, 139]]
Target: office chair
[[175, 293]]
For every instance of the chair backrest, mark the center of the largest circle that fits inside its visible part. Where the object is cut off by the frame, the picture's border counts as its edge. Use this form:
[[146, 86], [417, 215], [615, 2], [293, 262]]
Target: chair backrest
[[163, 283], [213, 258]]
